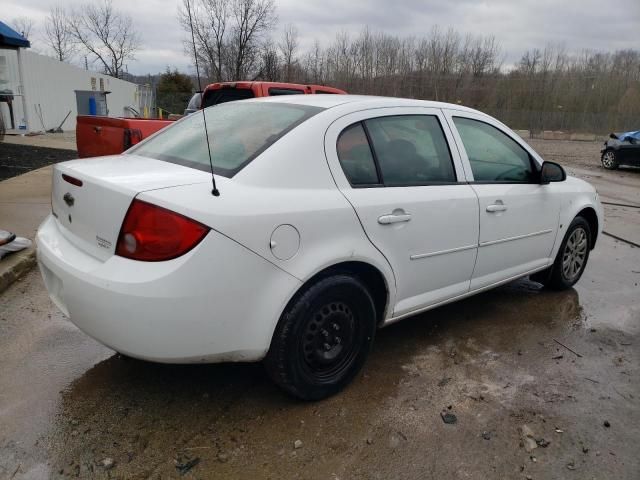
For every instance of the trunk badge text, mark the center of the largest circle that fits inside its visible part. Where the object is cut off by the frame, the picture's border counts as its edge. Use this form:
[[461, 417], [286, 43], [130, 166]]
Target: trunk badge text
[[68, 199]]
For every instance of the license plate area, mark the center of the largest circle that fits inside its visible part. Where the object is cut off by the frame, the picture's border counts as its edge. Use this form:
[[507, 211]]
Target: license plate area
[[55, 287]]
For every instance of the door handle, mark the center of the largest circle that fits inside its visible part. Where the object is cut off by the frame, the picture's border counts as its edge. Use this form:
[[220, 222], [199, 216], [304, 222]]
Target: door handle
[[394, 218], [496, 207]]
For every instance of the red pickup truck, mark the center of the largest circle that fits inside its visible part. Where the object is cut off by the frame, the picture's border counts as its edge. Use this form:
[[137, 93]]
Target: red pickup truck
[[96, 136]]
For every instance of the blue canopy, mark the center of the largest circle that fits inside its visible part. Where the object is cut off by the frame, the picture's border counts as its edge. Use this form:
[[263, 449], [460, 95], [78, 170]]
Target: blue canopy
[[10, 38]]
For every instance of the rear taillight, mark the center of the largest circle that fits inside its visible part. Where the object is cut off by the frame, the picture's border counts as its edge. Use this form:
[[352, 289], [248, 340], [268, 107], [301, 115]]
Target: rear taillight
[[152, 234], [131, 137]]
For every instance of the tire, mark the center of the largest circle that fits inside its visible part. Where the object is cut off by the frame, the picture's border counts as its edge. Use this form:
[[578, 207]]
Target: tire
[[323, 338], [571, 259], [610, 160]]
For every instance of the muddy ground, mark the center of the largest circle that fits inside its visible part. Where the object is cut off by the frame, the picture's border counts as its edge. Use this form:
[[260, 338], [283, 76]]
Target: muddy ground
[[70, 407]]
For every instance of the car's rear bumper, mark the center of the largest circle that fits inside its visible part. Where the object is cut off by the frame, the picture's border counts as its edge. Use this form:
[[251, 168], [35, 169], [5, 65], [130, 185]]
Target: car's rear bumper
[[219, 302]]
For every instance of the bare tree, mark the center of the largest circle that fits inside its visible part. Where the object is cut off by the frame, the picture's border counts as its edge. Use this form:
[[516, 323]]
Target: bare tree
[[209, 19], [251, 19], [229, 35], [24, 26], [106, 34], [270, 63], [58, 35], [288, 47]]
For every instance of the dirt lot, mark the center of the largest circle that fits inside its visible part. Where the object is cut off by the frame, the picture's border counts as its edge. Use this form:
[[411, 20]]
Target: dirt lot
[[70, 407]]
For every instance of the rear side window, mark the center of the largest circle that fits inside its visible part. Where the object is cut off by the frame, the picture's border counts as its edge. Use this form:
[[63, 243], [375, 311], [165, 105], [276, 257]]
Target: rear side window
[[285, 91], [411, 150], [224, 95], [493, 155], [356, 157], [238, 133]]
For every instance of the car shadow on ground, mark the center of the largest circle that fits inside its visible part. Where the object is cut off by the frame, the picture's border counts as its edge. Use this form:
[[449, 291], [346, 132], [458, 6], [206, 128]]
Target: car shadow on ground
[[151, 417]]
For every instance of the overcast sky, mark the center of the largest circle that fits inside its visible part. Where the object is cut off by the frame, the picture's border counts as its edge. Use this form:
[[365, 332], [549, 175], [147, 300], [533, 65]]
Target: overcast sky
[[517, 24]]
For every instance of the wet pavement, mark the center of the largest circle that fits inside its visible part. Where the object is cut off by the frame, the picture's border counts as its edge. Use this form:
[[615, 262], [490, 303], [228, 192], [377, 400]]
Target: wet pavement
[[564, 367]]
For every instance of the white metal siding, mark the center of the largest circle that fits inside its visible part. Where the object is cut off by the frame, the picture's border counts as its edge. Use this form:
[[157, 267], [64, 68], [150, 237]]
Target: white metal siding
[[52, 84]]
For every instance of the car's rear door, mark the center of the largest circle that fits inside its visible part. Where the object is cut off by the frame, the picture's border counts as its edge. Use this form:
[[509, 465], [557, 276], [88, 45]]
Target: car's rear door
[[518, 216], [395, 167]]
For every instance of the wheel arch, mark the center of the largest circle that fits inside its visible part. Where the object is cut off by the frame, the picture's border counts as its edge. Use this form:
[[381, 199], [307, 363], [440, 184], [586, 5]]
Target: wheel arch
[[370, 275], [590, 215]]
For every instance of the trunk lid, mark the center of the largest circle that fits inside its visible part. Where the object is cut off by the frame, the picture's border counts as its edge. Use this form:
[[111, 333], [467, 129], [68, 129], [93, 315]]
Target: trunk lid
[[90, 215]]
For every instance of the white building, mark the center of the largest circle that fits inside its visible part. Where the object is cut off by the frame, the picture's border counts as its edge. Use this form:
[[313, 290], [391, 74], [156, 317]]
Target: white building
[[37, 92]]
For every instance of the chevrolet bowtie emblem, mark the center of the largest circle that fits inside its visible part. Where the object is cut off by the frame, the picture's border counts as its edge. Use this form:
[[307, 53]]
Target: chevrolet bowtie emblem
[[68, 199]]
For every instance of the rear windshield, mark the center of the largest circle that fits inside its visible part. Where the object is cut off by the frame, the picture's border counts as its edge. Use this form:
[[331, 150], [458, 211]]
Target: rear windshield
[[226, 94], [238, 133]]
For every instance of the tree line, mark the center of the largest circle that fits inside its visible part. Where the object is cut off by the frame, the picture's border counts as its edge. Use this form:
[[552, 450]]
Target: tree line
[[548, 88]]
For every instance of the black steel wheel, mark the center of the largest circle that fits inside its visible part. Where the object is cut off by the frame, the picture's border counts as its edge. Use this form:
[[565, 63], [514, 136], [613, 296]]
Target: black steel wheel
[[322, 338]]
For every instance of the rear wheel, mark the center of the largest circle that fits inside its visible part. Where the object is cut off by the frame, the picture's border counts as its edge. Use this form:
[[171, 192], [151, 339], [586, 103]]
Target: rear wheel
[[322, 338], [571, 259], [610, 160]]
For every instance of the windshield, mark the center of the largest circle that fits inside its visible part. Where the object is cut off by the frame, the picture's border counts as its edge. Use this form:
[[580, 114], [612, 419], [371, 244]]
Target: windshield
[[238, 133], [194, 103]]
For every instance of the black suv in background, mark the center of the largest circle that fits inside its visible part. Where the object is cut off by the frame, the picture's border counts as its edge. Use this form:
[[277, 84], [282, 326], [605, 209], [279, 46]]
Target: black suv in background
[[621, 149]]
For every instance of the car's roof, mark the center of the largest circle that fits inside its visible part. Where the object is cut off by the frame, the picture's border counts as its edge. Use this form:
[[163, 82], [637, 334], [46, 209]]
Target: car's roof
[[359, 101]]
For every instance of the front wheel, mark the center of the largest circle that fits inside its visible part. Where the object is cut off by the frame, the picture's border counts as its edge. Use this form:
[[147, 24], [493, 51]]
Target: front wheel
[[571, 259], [322, 338], [609, 160]]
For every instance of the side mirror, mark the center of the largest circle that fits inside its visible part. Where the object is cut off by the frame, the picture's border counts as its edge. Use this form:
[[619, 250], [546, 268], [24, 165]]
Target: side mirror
[[552, 172]]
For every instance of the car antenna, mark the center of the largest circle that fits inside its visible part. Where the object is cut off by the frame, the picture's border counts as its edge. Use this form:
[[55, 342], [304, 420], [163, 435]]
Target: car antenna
[[215, 192]]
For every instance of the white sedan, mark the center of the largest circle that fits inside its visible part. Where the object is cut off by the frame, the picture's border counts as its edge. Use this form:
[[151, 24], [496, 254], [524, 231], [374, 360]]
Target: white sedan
[[337, 215]]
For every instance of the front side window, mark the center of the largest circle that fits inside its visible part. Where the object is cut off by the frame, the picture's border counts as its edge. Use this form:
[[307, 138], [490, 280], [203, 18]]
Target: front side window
[[411, 150], [238, 133], [493, 155]]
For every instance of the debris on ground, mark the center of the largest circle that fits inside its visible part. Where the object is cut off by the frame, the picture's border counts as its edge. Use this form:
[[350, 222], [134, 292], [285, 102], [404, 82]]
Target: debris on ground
[[184, 466], [571, 465], [223, 457], [444, 381], [541, 442], [108, 463], [606, 423], [448, 417], [571, 350], [297, 444], [486, 435], [528, 438]]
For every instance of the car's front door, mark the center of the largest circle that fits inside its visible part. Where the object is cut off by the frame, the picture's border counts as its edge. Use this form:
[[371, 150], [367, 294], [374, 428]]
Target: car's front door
[[629, 150], [408, 189], [518, 216]]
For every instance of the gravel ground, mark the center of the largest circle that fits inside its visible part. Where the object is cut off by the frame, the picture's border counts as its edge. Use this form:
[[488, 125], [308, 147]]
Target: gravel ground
[[18, 159]]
